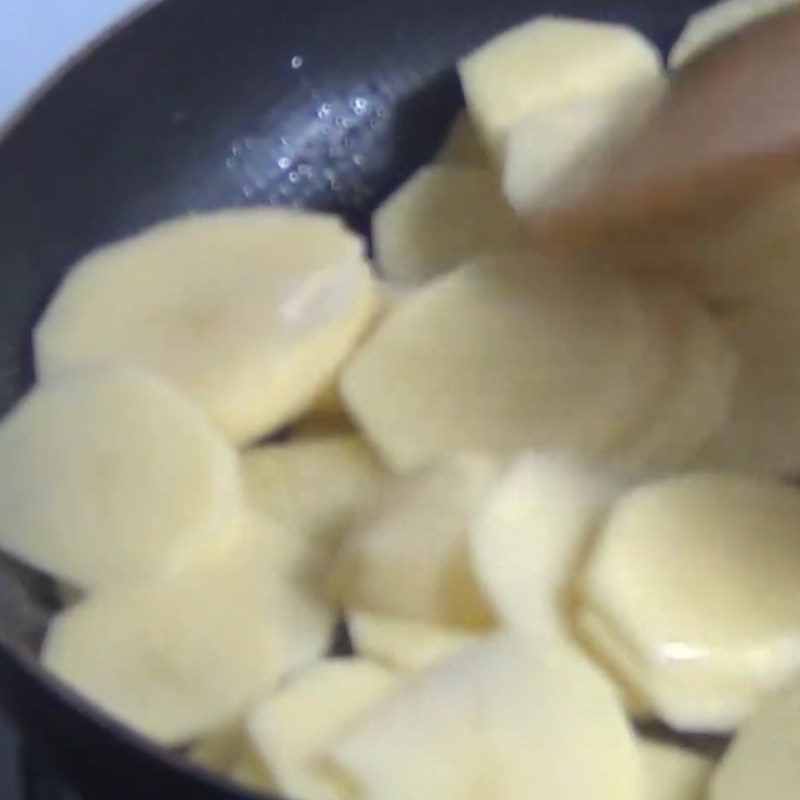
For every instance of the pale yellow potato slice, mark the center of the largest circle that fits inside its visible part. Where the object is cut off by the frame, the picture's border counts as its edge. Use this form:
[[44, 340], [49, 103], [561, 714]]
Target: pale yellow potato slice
[[496, 721], [717, 22], [552, 60], [762, 762], [293, 728], [762, 431], [250, 312], [314, 487], [531, 536], [554, 152], [695, 402], [463, 147], [698, 576], [178, 658], [410, 555], [502, 355], [674, 773], [112, 476], [405, 645], [443, 216]]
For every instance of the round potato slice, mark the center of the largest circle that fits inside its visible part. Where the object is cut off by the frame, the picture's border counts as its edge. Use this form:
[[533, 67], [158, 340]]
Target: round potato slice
[[762, 762], [532, 534], [500, 721], [178, 658], [410, 555], [674, 773], [463, 147], [405, 645], [717, 22], [552, 60], [249, 312], [112, 476], [440, 218], [293, 728], [502, 355], [698, 576]]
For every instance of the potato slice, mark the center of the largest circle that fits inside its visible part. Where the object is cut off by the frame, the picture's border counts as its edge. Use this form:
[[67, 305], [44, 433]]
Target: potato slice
[[502, 355], [674, 773], [250, 312], [112, 476], [440, 218], [552, 60], [316, 487], [410, 555], [293, 728], [179, 658], [496, 721], [762, 762], [463, 147], [717, 22], [762, 431], [696, 400], [553, 152], [697, 575], [405, 645], [531, 536]]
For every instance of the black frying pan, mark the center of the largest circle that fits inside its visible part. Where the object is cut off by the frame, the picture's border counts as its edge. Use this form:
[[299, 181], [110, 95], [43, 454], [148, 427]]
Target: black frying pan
[[202, 104]]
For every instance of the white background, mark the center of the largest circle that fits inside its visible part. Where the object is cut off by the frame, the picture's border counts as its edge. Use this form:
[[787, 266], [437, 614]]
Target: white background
[[37, 36]]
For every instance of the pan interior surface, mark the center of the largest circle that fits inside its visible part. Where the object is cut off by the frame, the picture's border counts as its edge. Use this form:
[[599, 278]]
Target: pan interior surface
[[197, 105]]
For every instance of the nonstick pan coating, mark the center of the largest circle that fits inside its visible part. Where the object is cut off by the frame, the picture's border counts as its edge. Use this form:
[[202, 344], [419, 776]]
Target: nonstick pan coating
[[203, 104]]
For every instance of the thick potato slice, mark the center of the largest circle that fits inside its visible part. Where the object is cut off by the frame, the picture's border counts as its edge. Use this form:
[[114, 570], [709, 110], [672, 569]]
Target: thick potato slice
[[410, 555], [531, 536], [552, 60], [697, 576], [314, 487], [405, 645], [496, 721], [674, 773], [553, 152], [113, 476], [249, 312], [181, 657], [502, 355], [294, 727], [695, 402], [440, 218], [463, 147], [717, 22], [762, 762], [762, 431]]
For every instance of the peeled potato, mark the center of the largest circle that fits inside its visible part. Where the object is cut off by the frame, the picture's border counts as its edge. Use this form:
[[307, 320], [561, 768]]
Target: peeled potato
[[553, 151], [406, 645], [410, 555], [762, 762], [315, 487], [697, 575], [762, 431], [695, 399], [440, 218], [552, 60], [112, 476], [496, 721], [178, 658], [249, 312], [293, 728], [502, 355], [717, 22], [674, 773], [463, 147], [532, 534]]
